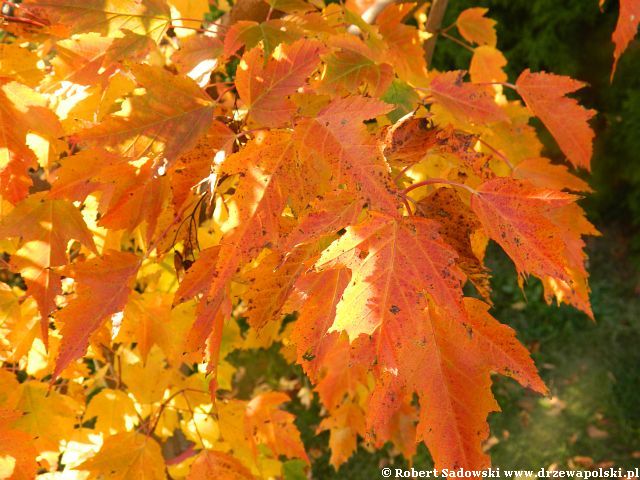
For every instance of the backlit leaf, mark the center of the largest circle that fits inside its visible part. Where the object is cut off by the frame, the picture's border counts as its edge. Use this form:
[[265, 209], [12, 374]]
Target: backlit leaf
[[265, 84], [464, 100], [154, 126], [103, 286], [544, 93], [126, 456], [476, 28]]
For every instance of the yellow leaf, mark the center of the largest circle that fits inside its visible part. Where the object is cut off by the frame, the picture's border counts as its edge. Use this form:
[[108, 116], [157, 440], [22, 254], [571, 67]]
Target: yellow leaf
[[147, 381], [127, 456], [191, 9], [20, 64], [83, 444], [49, 416], [114, 410]]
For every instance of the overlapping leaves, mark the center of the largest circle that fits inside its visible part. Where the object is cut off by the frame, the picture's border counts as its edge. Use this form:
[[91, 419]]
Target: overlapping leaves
[[165, 203]]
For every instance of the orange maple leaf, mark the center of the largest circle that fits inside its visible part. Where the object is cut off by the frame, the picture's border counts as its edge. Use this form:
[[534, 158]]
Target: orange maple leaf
[[266, 84], [103, 286], [544, 93]]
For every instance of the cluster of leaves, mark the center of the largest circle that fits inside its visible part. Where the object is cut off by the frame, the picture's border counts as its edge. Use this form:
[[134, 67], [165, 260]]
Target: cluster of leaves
[[172, 190]]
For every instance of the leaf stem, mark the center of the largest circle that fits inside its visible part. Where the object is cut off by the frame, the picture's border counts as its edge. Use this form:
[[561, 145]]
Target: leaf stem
[[499, 154], [432, 181], [434, 20], [406, 204], [458, 41], [504, 84]]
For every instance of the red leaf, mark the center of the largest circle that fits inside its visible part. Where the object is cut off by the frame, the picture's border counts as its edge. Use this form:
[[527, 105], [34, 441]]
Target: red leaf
[[544, 93], [212, 464], [626, 29], [465, 100], [265, 84], [103, 286], [520, 217], [338, 136]]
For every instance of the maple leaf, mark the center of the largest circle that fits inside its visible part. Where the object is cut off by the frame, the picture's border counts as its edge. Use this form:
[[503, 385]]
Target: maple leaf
[[52, 222], [315, 300], [518, 216], [149, 17], [129, 195], [626, 29], [114, 411], [430, 354], [464, 100], [344, 425], [21, 110], [46, 227], [265, 186], [212, 464], [271, 283], [410, 66], [394, 263], [260, 198], [337, 135], [150, 315], [127, 455], [248, 34], [389, 255], [290, 6], [198, 57], [83, 60], [199, 276], [20, 64], [154, 126], [457, 225], [132, 199], [48, 416], [265, 83], [267, 425], [188, 13], [544, 93], [476, 28], [325, 216], [17, 446], [199, 163], [409, 140], [315, 184], [487, 65], [103, 286], [544, 174], [320, 293], [353, 64]]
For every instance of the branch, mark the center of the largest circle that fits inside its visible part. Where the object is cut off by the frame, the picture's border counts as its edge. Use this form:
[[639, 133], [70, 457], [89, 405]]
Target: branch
[[434, 20]]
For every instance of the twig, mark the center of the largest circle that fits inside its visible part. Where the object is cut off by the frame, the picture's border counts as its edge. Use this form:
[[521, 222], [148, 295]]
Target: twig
[[500, 155], [434, 20], [457, 41]]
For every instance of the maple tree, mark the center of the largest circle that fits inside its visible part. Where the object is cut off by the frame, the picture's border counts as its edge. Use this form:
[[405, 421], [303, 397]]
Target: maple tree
[[174, 189]]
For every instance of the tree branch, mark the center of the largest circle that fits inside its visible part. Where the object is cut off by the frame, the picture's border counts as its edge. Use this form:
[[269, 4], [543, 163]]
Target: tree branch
[[434, 20]]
